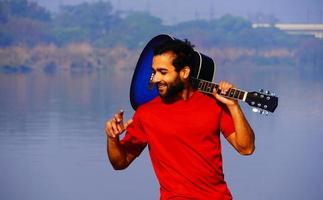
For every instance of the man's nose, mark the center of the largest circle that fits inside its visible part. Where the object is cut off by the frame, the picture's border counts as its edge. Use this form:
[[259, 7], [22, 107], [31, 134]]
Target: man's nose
[[155, 78]]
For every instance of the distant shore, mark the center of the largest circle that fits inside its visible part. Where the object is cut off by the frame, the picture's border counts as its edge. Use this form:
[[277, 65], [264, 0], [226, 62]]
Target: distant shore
[[83, 57]]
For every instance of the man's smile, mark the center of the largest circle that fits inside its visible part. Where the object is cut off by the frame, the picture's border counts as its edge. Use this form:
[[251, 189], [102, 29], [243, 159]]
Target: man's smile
[[161, 86]]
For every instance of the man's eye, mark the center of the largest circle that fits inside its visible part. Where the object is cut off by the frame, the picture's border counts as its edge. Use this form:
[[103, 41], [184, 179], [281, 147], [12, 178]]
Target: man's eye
[[163, 72]]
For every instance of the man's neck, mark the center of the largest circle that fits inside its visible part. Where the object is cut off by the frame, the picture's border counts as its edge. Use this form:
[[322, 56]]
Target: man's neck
[[187, 92]]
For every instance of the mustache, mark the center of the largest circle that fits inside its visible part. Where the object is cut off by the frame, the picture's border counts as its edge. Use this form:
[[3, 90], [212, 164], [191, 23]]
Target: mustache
[[162, 84], [152, 84]]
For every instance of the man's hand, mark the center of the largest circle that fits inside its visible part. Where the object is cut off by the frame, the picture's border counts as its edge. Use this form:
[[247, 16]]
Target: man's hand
[[119, 155], [243, 138], [224, 88], [115, 126]]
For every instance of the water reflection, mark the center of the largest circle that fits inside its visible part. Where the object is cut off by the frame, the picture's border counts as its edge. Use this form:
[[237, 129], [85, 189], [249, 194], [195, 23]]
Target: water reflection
[[52, 144]]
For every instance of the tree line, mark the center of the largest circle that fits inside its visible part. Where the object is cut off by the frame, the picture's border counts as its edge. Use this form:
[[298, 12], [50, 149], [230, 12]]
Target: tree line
[[24, 22]]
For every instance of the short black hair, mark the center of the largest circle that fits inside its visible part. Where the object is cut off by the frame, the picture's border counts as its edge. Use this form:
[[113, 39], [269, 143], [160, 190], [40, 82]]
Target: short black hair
[[183, 50]]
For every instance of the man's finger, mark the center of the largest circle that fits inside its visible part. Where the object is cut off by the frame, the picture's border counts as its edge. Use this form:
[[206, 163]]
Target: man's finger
[[120, 126], [114, 126], [119, 116], [128, 123], [109, 130], [220, 98]]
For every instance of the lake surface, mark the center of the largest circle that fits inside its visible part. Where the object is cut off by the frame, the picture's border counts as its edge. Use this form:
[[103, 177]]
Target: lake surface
[[53, 145]]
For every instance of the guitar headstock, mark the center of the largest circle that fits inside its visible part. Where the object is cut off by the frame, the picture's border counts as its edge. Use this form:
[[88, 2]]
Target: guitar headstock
[[262, 101]]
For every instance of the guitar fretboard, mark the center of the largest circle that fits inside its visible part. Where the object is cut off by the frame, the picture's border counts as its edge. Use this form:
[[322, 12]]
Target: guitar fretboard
[[208, 87]]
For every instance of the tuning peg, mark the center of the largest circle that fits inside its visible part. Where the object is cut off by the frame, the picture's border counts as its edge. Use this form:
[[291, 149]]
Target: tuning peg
[[267, 92], [261, 90], [273, 94], [260, 111], [264, 112]]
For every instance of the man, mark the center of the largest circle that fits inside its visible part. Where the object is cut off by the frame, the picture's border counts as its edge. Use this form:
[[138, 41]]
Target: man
[[182, 129]]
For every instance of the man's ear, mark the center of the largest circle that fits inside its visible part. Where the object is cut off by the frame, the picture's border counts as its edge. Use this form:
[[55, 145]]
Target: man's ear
[[185, 72]]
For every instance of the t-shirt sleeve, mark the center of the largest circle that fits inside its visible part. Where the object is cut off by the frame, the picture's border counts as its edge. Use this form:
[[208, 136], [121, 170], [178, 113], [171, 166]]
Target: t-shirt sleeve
[[226, 122], [135, 139]]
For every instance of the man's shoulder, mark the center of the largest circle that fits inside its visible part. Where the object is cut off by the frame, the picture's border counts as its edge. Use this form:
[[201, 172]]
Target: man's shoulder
[[205, 97], [200, 94], [207, 100]]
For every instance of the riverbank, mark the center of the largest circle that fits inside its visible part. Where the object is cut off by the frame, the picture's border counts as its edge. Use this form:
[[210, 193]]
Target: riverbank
[[82, 57]]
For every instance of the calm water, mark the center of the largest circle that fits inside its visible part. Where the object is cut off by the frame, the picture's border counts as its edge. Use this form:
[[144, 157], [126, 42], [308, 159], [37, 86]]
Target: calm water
[[53, 145]]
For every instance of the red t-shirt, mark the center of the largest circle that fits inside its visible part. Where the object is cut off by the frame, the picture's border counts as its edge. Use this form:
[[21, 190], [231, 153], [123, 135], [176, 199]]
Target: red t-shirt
[[184, 145]]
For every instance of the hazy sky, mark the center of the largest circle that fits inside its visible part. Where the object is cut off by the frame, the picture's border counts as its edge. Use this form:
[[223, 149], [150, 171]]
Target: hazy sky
[[172, 11]]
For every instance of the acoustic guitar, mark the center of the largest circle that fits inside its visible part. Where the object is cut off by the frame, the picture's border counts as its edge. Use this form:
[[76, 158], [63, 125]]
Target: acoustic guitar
[[142, 90]]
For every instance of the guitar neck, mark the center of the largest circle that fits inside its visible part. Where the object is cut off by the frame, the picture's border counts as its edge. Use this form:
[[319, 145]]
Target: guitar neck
[[208, 87]]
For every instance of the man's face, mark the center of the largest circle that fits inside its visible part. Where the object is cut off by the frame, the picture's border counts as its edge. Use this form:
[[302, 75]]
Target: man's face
[[168, 81]]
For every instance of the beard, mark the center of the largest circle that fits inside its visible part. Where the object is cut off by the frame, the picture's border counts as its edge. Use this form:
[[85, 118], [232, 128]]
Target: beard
[[173, 89]]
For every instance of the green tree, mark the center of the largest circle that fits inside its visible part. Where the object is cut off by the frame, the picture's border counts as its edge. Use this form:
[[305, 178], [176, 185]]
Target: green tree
[[138, 27], [97, 15], [231, 24], [22, 8], [23, 22], [83, 22]]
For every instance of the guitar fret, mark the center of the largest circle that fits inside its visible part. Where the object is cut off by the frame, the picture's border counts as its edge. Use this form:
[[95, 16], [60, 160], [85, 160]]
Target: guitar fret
[[231, 92], [209, 87], [227, 94], [217, 88], [205, 86], [241, 95], [236, 94], [200, 85], [212, 88]]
